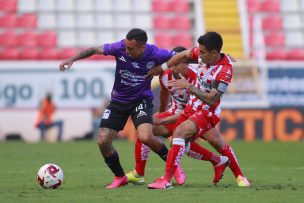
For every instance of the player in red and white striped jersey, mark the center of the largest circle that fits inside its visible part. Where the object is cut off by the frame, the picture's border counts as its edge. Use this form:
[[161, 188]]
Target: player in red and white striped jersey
[[202, 113], [172, 103]]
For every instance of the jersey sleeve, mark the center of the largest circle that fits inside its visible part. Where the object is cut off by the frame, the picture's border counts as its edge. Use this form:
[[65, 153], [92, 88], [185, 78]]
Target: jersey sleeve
[[225, 75], [112, 48], [163, 55], [191, 76], [194, 53]]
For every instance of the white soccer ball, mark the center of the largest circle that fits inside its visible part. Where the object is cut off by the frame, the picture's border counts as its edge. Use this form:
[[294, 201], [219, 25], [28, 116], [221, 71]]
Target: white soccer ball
[[50, 176]]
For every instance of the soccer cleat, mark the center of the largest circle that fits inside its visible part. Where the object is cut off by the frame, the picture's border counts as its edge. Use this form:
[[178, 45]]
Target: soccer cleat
[[242, 181], [220, 168], [118, 182], [179, 175], [160, 184], [134, 178]]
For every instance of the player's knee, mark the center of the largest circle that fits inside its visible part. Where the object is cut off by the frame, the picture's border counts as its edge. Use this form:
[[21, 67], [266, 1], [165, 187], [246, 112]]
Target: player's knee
[[181, 131], [145, 137], [103, 139]]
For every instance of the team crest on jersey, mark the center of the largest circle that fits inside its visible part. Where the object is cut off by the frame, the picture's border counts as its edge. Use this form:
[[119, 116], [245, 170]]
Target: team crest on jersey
[[150, 65], [122, 59], [135, 65]]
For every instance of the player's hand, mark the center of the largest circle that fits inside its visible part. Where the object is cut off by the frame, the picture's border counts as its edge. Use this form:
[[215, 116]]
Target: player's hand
[[179, 84], [156, 70], [65, 65]]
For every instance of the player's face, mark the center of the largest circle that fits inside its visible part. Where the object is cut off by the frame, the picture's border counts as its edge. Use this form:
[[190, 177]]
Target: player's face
[[207, 57], [179, 69], [133, 49]]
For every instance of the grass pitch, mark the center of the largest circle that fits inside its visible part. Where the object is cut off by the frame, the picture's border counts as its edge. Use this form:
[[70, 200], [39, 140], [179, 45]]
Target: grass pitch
[[276, 172]]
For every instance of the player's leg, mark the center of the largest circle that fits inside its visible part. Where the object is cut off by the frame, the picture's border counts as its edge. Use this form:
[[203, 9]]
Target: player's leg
[[217, 141], [183, 132], [112, 121]]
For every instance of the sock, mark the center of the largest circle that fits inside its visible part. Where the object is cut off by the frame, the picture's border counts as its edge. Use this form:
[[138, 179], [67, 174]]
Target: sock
[[113, 163], [141, 155], [174, 157], [196, 151], [234, 165], [163, 152]]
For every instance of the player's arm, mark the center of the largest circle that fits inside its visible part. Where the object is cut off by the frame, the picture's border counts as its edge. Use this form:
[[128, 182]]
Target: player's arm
[[166, 120], [210, 98], [176, 59], [66, 64], [163, 99]]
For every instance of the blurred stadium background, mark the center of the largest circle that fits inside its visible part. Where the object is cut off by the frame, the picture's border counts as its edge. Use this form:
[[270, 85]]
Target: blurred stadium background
[[264, 102]]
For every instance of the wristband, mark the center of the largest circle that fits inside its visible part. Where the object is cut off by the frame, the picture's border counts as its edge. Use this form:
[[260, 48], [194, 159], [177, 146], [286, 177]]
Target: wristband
[[164, 66]]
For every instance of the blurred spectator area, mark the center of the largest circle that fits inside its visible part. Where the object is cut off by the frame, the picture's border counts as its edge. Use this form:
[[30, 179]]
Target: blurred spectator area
[[281, 24], [55, 29]]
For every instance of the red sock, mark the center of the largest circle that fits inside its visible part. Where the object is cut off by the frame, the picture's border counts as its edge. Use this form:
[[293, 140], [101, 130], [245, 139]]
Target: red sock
[[174, 157], [141, 155], [196, 151], [234, 165]]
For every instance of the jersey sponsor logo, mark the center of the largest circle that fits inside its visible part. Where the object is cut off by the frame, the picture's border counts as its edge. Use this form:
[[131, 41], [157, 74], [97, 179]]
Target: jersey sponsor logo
[[106, 114], [141, 113], [150, 65], [122, 59], [204, 84], [135, 65]]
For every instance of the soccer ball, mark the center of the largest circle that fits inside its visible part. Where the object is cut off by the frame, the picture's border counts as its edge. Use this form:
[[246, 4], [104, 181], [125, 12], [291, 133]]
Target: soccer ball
[[50, 176]]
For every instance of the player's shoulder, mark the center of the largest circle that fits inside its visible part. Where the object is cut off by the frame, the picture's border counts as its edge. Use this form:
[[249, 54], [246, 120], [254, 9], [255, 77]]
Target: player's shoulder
[[156, 51]]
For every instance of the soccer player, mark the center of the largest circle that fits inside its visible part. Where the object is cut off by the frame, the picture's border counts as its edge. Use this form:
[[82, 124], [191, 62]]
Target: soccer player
[[131, 96], [202, 112], [172, 103]]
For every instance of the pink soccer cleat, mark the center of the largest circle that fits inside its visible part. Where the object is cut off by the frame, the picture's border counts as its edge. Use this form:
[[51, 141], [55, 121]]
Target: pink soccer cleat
[[160, 184], [118, 182], [242, 181], [220, 168], [179, 175]]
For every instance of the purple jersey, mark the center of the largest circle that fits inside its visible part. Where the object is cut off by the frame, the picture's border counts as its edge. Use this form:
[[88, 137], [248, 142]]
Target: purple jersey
[[130, 83]]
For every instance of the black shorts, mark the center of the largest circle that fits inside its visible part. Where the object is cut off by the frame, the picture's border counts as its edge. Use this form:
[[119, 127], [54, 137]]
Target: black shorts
[[116, 114]]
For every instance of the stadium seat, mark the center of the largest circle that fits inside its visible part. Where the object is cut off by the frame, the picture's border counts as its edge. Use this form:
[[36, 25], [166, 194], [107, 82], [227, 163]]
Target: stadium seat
[[182, 39], [272, 22], [84, 6], [66, 20], [9, 39], [276, 54], [9, 54], [27, 6], [48, 54], [86, 38], [179, 6], [181, 23], [27, 20], [27, 39], [67, 53], [253, 6], [163, 40], [29, 53], [142, 6], [292, 21], [122, 5], [290, 6], [105, 21], [8, 21], [104, 6], [47, 39], [123, 21], [294, 38], [85, 21], [160, 6], [270, 6], [67, 38], [105, 37], [8, 5], [274, 39], [65, 6], [143, 21], [161, 22], [47, 20], [46, 5], [296, 54]]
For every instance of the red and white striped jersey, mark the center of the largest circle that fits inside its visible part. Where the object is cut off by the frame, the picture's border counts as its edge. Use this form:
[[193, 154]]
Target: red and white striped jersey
[[206, 75], [178, 98]]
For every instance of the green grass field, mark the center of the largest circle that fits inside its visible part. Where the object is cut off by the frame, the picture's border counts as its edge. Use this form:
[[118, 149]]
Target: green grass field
[[276, 172]]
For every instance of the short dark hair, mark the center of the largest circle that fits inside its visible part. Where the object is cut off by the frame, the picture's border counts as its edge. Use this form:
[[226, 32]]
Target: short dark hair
[[212, 41], [139, 35], [179, 49]]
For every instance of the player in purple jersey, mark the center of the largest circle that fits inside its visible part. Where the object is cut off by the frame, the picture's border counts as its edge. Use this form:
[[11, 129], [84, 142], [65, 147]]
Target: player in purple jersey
[[131, 96]]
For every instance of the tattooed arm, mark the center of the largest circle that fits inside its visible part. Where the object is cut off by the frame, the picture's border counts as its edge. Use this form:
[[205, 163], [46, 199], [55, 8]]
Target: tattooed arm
[[66, 64]]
